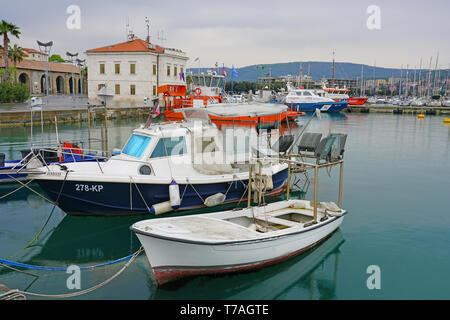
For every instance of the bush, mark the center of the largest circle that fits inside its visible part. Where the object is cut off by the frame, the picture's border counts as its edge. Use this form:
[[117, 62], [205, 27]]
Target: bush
[[10, 92]]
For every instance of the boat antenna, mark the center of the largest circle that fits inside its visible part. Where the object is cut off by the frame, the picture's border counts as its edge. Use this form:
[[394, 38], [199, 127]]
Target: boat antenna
[[332, 73], [147, 24]]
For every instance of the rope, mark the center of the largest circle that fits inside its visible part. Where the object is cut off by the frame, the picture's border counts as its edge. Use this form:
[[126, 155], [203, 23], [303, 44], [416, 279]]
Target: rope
[[187, 180], [48, 268], [51, 213], [78, 293], [10, 193], [139, 191]]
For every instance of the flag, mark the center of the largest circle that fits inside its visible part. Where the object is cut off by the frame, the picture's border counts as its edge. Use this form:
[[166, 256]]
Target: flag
[[157, 111], [182, 76], [224, 72], [234, 72]]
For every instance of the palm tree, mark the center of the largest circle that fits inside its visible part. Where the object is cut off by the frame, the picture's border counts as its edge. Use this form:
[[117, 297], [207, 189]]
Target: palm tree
[[5, 28], [16, 54]]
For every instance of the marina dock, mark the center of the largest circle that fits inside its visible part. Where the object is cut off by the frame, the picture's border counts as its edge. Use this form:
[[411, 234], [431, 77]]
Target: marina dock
[[375, 108]]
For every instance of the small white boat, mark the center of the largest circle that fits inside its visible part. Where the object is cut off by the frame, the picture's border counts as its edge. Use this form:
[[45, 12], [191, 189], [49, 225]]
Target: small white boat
[[231, 241]]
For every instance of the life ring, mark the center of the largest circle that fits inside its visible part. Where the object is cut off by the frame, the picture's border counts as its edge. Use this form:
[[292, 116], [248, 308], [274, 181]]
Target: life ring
[[198, 91]]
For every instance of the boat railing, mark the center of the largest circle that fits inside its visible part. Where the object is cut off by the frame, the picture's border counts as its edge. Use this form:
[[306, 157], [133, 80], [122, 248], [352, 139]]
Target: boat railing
[[293, 162]]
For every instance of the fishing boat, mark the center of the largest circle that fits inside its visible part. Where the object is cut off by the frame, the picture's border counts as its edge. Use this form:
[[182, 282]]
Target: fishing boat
[[305, 100], [163, 167], [250, 238]]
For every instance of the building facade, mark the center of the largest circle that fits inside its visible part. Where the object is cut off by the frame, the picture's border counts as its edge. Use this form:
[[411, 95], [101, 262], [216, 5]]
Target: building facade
[[133, 70], [64, 78]]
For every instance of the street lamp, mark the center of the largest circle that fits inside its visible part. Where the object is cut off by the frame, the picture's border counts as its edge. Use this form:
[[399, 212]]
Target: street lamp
[[45, 48], [72, 59], [80, 63]]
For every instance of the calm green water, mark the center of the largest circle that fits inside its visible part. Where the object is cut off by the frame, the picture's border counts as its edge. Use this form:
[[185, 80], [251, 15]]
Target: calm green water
[[396, 189]]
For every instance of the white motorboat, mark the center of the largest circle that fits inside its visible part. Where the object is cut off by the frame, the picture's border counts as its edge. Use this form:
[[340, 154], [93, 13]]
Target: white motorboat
[[164, 167], [308, 101], [231, 241]]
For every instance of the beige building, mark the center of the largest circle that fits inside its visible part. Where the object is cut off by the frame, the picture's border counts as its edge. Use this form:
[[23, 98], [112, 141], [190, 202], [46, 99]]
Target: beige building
[[31, 72], [133, 70]]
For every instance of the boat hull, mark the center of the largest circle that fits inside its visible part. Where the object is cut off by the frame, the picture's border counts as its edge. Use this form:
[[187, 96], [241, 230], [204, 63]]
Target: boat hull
[[356, 101], [178, 116], [336, 106], [174, 259], [120, 198]]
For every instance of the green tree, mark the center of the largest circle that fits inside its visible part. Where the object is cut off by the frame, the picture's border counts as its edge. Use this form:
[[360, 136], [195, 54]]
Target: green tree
[[16, 54], [5, 29], [56, 58]]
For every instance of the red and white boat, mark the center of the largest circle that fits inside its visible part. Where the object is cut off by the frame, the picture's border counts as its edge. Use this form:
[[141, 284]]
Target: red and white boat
[[342, 94]]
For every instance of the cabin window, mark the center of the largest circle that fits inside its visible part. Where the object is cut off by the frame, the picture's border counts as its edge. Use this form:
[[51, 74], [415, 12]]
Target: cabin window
[[136, 145], [169, 147], [307, 93], [299, 93]]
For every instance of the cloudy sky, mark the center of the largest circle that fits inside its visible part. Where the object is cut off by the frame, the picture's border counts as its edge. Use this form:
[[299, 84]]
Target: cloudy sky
[[248, 32]]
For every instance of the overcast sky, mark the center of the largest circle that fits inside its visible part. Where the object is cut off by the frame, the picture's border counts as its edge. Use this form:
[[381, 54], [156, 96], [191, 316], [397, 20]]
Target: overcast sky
[[248, 32]]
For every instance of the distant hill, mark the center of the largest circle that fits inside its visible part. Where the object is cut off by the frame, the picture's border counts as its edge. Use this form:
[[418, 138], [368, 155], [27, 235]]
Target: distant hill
[[317, 70]]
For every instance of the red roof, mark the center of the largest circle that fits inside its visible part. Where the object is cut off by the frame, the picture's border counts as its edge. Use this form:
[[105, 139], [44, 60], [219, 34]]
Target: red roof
[[137, 45], [41, 66]]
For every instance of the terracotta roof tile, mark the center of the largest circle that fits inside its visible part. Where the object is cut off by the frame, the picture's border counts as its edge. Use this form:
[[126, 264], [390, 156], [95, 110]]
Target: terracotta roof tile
[[137, 45], [41, 65]]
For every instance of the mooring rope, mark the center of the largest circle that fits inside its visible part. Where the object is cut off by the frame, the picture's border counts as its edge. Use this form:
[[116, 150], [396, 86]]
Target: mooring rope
[[78, 293], [15, 190], [49, 268], [51, 213]]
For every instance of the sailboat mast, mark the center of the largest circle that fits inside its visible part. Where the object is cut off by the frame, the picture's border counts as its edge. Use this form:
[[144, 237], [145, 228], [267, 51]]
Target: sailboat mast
[[406, 90], [332, 74], [419, 91], [362, 80]]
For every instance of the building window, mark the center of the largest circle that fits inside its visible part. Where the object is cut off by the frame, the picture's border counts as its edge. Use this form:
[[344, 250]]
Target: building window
[[154, 69], [117, 89], [168, 70], [154, 91], [102, 68], [132, 68], [182, 70], [175, 71], [117, 68], [132, 89], [100, 86]]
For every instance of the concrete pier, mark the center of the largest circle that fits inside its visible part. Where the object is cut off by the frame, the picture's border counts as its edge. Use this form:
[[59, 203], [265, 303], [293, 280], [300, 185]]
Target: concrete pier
[[376, 108], [23, 118]]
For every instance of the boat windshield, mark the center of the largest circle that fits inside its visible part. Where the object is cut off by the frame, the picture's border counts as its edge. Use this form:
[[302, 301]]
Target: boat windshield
[[136, 145]]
